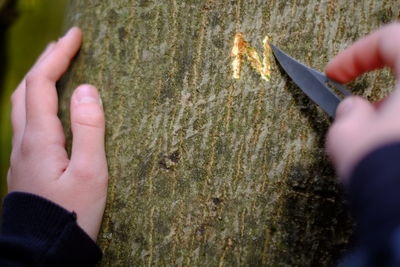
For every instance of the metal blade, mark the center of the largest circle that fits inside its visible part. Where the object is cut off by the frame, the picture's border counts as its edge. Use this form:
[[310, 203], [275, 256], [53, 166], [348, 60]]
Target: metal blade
[[311, 82]]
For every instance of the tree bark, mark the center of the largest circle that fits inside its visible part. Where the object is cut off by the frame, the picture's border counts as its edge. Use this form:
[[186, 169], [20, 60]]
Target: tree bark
[[206, 169]]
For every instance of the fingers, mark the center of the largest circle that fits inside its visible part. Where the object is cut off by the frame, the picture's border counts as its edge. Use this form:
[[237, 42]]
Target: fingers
[[88, 126], [18, 103], [349, 114], [41, 95], [18, 113], [47, 51], [351, 117], [379, 49]]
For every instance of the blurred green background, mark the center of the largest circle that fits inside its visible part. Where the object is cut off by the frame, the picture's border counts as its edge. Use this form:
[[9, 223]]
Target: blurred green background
[[27, 26]]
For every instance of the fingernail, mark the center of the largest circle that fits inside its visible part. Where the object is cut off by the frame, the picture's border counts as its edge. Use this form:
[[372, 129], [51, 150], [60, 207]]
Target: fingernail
[[344, 107], [87, 94]]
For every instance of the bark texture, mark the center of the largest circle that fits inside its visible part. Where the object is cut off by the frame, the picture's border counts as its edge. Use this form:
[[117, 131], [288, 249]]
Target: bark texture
[[207, 170]]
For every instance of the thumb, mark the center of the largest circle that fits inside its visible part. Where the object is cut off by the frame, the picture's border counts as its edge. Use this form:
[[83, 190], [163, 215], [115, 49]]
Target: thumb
[[352, 115], [353, 106], [88, 127]]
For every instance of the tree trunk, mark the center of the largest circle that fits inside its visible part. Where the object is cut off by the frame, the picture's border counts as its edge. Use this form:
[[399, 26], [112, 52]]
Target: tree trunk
[[206, 169]]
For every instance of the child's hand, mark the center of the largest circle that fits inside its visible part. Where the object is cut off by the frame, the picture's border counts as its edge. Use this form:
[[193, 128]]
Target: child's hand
[[39, 161], [359, 126]]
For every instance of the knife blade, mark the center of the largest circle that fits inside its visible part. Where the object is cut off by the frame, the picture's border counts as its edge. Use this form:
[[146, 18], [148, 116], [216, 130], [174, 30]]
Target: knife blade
[[312, 82]]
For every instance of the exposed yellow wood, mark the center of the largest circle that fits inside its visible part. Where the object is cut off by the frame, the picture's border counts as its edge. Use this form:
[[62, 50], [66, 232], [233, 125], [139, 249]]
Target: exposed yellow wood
[[242, 50]]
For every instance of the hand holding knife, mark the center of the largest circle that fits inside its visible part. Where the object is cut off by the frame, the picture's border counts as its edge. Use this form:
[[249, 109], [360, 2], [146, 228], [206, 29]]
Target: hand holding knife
[[312, 82], [359, 126]]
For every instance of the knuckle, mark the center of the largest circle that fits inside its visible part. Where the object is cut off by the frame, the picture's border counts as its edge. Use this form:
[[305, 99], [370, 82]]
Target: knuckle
[[84, 174], [28, 146], [37, 144], [31, 79], [34, 78], [33, 142], [91, 118]]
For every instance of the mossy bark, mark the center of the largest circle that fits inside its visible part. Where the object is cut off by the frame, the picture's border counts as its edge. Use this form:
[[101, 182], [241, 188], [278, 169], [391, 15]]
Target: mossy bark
[[207, 170]]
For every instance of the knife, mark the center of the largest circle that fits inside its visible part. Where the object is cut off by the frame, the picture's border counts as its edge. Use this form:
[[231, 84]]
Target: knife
[[319, 88]]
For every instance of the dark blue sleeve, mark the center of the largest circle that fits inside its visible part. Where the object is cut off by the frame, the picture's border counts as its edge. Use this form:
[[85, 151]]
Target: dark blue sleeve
[[37, 232], [374, 198]]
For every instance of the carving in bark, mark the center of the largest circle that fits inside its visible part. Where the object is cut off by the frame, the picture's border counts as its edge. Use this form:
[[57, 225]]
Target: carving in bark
[[206, 169]]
